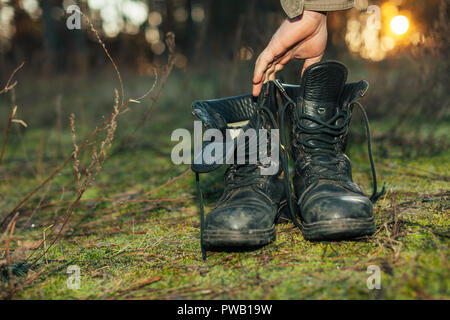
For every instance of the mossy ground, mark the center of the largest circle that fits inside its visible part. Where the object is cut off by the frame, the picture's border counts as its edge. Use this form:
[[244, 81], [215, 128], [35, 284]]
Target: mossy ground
[[134, 240]]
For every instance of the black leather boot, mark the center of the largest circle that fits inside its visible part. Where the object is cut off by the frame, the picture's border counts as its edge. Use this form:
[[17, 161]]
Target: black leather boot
[[331, 205], [245, 215]]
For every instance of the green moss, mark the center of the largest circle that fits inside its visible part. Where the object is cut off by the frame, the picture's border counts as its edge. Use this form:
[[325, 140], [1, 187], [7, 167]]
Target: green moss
[[121, 244]]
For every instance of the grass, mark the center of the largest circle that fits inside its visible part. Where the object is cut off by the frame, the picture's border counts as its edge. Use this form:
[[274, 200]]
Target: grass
[[135, 233]]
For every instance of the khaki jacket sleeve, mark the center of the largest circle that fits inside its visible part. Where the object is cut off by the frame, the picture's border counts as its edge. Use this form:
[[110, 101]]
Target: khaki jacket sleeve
[[294, 8]]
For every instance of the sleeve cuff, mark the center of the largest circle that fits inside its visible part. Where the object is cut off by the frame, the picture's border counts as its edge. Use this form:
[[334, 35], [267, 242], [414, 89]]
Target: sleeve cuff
[[294, 8]]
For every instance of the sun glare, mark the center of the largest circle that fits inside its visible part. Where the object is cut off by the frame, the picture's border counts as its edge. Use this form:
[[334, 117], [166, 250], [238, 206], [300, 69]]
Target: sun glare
[[399, 25]]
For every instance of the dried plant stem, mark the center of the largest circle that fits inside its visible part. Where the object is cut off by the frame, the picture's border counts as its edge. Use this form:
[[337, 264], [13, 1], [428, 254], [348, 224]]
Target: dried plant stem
[[100, 41], [170, 41], [93, 169], [168, 182], [8, 129], [76, 165], [45, 243], [8, 218], [133, 288], [121, 203], [7, 258], [11, 232], [9, 86]]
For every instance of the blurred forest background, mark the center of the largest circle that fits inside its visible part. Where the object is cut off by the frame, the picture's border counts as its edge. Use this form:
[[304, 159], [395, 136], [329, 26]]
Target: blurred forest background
[[213, 34], [57, 209]]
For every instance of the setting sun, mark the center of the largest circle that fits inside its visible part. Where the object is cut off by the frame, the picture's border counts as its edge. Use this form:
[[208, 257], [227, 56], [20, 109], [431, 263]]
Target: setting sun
[[399, 25]]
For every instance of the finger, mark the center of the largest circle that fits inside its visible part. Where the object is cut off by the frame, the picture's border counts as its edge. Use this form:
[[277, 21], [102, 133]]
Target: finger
[[273, 72], [278, 67], [264, 68], [257, 89], [311, 61], [268, 73], [262, 64]]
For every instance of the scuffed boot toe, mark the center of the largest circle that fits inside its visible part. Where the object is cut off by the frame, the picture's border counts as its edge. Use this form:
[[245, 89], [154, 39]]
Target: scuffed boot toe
[[238, 226], [337, 217]]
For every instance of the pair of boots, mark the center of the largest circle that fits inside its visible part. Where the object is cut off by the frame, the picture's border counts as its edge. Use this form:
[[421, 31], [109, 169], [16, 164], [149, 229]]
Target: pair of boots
[[327, 201]]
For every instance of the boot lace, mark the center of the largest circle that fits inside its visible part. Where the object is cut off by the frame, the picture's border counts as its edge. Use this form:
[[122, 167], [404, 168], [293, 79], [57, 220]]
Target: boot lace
[[238, 176], [320, 144], [244, 175], [323, 147]]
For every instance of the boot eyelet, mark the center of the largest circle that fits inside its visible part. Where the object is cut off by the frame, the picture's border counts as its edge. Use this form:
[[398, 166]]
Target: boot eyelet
[[321, 110]]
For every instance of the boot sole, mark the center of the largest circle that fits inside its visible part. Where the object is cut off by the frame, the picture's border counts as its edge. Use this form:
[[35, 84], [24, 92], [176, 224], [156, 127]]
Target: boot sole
[[341, 229], [234, 239]]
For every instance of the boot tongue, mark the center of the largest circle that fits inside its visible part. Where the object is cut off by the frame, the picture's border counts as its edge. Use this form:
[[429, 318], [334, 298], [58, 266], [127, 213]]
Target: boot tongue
[[322, 85]]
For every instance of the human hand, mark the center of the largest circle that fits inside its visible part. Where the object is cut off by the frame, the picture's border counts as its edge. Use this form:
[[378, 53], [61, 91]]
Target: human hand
[[304, 38]]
